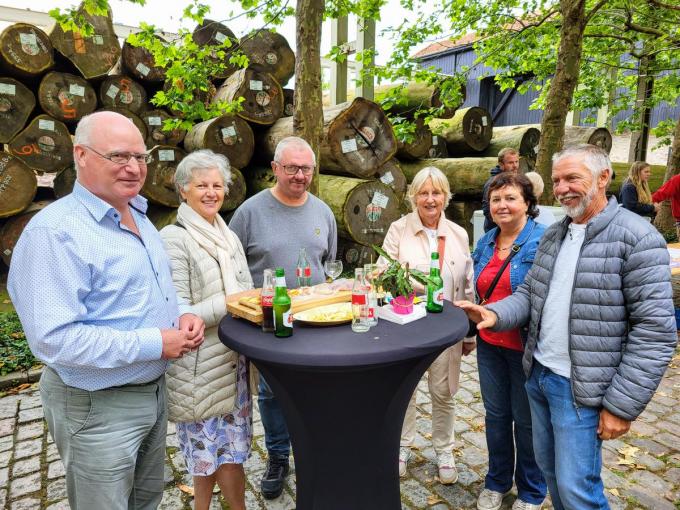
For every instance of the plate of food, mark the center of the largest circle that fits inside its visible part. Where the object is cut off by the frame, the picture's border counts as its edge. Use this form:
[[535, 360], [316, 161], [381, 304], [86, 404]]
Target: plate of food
[[327, 315]]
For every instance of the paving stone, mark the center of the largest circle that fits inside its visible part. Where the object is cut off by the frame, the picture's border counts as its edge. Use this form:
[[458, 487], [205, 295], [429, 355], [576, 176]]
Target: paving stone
[[172, 500], [6, 443], [172, 441], [670, 440], [650, 482], [647, 499], [675, 418], [3, 497], [27, 448], [4, 459], [29, 415], [30, 402], [643, 429], [26, 466], [456, 495], [52, 453], [476, 438], [56, 490], [474, 456], [649, 446], [59, 505], [466, 476], [8, 409], [415, 493], [30, 431], [672, 476], [24, 485], [668, 426], [4, 477], [464, 395], [168, 475], [7, 426], [55, 469], [25, 504]]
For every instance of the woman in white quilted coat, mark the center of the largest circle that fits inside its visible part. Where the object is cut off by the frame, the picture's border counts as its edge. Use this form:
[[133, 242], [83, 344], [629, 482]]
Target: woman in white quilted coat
[[208, 395]]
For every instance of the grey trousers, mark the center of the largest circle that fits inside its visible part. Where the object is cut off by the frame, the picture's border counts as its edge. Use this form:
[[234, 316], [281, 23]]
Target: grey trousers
[[111, 441]]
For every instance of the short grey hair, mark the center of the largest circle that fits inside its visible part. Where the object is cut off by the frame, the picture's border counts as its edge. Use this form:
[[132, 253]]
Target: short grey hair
[[536, 183], [85, 128], [203, 159], [292, 141], [439, 181], [594, 158]]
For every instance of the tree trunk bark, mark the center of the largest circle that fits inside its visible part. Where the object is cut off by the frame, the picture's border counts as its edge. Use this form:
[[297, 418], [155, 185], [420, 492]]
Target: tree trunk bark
[[466, 176], [45, 145], [524, 139], [139, 63], [16, 104], [288, 103], [664, 220], [391, 175], [229, 135], [159, 186], [66, 97], [18, 185], [156, 135], [354, 255], [236, 193], [308, 117], [262, 94], [421, 144], [417, 96], [562, 85], [468, 132]]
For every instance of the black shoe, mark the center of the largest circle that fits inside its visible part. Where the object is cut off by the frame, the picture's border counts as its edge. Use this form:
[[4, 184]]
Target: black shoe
[[271, 484]]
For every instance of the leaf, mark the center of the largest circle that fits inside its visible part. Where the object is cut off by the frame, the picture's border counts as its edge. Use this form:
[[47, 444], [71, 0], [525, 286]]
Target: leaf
[[186, 489], [614, 492], [629, 451], [433, 500]]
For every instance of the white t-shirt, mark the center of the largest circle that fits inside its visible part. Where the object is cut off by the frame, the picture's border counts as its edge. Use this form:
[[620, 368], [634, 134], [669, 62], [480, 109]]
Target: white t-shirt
[[552, 349], [432, 237]]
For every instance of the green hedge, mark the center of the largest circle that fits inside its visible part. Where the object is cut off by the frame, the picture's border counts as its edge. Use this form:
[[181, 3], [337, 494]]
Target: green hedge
[[14, 352]]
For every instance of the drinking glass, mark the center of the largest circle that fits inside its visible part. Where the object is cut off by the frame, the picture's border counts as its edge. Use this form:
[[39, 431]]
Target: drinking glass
[[333, 268]]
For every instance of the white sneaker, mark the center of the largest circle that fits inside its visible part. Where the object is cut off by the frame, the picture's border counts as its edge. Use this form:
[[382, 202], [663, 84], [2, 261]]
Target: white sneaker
[[404, 455], [490, 500], [523, 505], [448, 473]]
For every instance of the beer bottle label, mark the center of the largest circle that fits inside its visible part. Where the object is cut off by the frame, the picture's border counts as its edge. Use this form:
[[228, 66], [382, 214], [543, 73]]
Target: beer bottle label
[[434, 264], [280, 281], [438, 295], [287, 318]]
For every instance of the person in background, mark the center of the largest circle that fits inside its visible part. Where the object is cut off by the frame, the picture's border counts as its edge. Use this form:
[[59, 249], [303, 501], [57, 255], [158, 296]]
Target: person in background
[[670, 190], [508, 251], [599, 305], [508, 161], [545, 215], [635, 194], [208, 395], [272, 226], [104, 318], [412, 239]]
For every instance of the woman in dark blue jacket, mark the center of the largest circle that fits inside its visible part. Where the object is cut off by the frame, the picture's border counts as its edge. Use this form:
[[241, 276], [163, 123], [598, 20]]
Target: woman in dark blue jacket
[[507, 250], [635, 193]]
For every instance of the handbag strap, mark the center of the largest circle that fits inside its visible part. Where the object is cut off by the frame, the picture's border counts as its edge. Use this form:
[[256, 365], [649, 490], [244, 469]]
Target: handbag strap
[[489, 291]]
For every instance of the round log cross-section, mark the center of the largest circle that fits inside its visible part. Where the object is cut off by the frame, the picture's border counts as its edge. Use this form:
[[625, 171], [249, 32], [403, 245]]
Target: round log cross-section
[[44, 145], [64, 181], [16, 104], [159, 186], [25, 50], [263, 97], [18, 185], [469, 131], [420, 146], [214, 33], [524, 139], [66, 97], [354, 254], [288, 102], [13, 227], [120, 91], [229, 135], [236, 192], [577, 135], [156, 134], [140, 64], [271, 51], [391, 175]]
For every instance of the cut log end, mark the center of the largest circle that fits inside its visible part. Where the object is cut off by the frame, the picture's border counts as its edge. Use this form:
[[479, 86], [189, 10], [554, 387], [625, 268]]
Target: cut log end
[[44, 145], [159, 186], [18, 185], [26, 50]]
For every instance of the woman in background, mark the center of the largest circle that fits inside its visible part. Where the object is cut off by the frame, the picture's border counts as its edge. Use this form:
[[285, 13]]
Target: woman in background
[[635, 193]]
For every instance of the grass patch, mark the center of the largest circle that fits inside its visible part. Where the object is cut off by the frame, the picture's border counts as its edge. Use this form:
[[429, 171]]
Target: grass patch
[[14, 352]]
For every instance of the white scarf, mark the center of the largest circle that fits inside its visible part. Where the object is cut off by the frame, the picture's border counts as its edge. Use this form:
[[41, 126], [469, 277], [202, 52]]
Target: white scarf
[[221, 244]]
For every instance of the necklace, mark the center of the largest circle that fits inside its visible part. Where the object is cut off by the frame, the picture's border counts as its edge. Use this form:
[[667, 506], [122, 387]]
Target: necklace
[[503, 249]]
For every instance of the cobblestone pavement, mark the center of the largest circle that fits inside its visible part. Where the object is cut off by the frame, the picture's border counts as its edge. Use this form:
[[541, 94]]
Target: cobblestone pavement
[[642, 470]]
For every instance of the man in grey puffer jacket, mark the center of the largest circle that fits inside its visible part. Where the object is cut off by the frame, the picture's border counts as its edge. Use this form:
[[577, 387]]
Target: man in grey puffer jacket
[[598, 301]]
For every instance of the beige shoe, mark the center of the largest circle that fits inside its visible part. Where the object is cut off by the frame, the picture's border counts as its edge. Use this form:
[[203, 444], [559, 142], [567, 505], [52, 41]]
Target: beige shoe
[[523, 505], [448, 473], [404, 455], [490, 500]]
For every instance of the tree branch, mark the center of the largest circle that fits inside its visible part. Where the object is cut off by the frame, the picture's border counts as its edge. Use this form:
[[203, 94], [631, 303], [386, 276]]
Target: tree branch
[[594, 10], [662, 5]]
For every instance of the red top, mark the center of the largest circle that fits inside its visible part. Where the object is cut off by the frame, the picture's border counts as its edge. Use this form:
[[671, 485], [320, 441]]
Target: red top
[[510, 339], [670, 191]]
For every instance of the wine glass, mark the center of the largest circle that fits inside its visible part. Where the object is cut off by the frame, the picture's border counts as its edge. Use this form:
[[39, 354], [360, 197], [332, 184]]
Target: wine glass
[[333, 268]]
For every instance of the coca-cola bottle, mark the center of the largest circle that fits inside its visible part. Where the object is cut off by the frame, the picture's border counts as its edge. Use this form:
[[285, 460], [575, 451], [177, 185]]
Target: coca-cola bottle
[[359, 303], [303, 271], [266, 301]]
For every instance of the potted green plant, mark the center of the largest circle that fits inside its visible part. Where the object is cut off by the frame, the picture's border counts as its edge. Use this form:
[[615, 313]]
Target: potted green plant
[[395, 278]]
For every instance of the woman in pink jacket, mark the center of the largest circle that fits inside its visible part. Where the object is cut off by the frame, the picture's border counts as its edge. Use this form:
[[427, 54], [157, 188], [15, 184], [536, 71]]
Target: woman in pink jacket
[[412, 239]]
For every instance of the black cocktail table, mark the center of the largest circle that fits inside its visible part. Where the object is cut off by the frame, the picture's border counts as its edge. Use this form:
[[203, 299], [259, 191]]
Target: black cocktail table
[[344, 395]]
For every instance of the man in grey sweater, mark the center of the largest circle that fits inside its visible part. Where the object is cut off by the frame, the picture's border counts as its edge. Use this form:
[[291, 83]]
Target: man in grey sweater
[[272, 226], [598, 301]]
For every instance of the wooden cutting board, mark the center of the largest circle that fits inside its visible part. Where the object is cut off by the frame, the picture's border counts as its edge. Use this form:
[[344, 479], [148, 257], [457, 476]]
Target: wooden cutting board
[[298, 304]]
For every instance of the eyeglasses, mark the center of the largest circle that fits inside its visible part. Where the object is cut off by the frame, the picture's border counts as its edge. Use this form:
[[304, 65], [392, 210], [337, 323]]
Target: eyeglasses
[[293, 169], [123, 158]]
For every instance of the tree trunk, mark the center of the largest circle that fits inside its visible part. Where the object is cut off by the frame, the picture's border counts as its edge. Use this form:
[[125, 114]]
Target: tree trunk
[[308, 117], [16, 104], [357, 138], [66, 97], [139, 63], [664, 220], [25, 51], [136, 120], [44, 145], [159, 186], [421, 144], [391, 175], [18, 185], [438, 149], [524, 139], [461, 213], [94, 56], [263, 97], [466, 176], [354, 255], [288, 102], [468, 132], [578, 135], [161, 216], [562, 85], [229, 135], [120, 91], [271, 52], [236, 193], [416, 96], [64, 181], [13, 227], [214, 33], [258, 179], [156, 135]]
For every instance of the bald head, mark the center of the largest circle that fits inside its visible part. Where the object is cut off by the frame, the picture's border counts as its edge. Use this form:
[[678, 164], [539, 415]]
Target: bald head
[[99, 125]]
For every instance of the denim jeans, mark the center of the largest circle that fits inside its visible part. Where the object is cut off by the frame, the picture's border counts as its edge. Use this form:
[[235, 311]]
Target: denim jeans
[[276, 436], [501, 379], [567, 448]]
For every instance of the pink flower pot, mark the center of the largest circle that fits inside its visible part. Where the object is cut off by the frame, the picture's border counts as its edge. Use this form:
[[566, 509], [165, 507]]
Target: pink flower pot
[[403, 305]]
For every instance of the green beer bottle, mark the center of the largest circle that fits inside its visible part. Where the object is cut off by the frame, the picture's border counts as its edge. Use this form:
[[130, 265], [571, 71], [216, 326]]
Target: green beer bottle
[[435, 291], [283, 318]]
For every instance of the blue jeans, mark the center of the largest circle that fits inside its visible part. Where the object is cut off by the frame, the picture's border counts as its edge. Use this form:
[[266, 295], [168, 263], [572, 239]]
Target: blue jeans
[[567, 448], [501, 379], [276, 436]]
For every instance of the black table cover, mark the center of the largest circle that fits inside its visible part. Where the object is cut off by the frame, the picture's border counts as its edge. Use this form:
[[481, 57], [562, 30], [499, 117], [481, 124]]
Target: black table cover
[[344, 395]]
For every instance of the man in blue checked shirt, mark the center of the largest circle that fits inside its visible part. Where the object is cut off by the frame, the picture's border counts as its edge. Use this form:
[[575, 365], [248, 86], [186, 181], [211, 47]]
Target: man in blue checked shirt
[[91, 283]]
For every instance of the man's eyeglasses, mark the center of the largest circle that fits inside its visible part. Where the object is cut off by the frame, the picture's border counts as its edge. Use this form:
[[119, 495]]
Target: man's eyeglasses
[[293, 169], [123, 158]]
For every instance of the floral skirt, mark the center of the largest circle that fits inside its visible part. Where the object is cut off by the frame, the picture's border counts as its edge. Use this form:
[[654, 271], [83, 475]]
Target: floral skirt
[[226, 439]]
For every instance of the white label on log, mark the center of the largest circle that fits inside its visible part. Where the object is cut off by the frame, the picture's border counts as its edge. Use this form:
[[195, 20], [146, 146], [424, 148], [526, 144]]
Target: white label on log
[[435, 140], [154, 121], [220, 37], [387, 178], [348, 145], [112, 92], [484, 121], [142, 69], [228, 131], [8, 88], [166, 155], [29, 39], [255, 85], [47, 125], [380, 200], [7, 252], [76, 90], [98, 39]]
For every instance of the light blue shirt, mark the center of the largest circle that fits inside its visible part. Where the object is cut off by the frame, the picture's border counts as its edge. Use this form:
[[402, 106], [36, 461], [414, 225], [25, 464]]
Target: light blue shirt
[[92, 296]]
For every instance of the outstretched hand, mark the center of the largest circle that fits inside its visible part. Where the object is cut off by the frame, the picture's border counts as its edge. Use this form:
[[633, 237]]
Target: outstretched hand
[[478, 314]]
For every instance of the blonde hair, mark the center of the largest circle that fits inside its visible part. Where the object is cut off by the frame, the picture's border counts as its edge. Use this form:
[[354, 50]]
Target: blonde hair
[[642, 187], [439, 181], [536, 183]]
